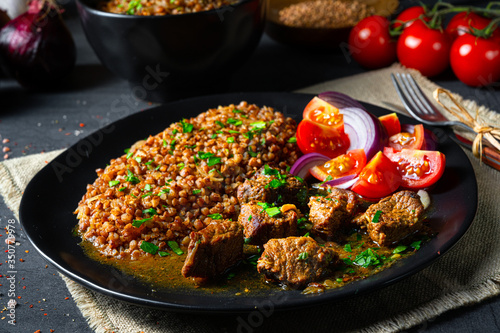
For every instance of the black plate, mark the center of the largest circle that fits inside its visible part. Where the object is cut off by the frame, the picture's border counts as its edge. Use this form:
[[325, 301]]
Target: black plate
[[48, 203]]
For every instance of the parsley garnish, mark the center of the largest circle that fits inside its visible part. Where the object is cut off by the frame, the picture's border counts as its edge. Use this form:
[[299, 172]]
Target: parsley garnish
[[197, 191], [131, 178], [175, 247], [347, 247], [220, 123], [259, 125], [230, 140], [113, 183], [149, 247], [212, 160], [303, 256], [376, 217], [215, 216], [292, 140], [234, 122], [186, 127], [163, 253], [138, 223], [368, 258], [150, 211], [399, 249]]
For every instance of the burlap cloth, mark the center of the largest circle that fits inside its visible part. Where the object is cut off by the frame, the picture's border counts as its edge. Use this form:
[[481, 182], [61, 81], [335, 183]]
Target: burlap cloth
[[469, 273]]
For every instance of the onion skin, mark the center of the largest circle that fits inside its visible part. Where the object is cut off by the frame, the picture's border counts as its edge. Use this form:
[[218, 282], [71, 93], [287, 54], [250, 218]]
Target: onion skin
[[37, 48], [301, 167]]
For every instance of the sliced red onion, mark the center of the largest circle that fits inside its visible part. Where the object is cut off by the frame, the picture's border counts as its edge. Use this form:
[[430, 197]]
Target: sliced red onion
[[364, 130], [340, 100], [343, 182], [301, 167]]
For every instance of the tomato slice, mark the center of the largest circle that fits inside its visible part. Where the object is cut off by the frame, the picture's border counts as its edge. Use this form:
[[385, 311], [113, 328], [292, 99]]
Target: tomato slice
[[322, 112], [391, 123], [406, 140], [350, 163], [379, 178], [418, 168], [314, 137]]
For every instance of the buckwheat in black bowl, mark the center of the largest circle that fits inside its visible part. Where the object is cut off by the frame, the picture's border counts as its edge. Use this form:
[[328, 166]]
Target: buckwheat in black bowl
[[173, 48]]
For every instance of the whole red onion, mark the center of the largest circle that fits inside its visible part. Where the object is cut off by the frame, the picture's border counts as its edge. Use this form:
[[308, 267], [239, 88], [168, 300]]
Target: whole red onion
[[36, 47]]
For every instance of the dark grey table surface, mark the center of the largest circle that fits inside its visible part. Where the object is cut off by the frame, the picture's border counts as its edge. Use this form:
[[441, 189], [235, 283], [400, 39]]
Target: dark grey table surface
[[41, 122]]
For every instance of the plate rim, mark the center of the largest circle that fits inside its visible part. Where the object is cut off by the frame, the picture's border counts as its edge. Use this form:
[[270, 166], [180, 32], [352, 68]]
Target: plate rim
[[340, 293]]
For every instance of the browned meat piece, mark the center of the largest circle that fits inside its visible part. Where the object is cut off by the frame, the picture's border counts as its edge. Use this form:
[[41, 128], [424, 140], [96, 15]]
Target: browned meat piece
[[214, 249], [259, 226], [400, 216], [268, 185], [296, 261], [332, 213]]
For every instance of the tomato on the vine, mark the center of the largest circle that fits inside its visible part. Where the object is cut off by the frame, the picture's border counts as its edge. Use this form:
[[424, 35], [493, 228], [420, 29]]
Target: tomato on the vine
[[463, 23], [378, 178], [476, 60], [408, 16], [418, 168], [424, 49], [350, 163], [371, 44]]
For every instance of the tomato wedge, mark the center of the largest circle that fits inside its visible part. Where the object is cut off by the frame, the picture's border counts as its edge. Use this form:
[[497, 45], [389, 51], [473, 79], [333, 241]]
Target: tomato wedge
[[314, 137], [391, 123], [379, 178], [418, 168], [407, 140], [322, 112], [350, 163]]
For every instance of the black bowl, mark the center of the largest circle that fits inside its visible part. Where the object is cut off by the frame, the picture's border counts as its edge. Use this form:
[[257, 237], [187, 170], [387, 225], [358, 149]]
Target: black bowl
[[174, 56]]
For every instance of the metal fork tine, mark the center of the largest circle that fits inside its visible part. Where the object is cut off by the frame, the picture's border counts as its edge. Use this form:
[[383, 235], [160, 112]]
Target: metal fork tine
[[403, 95], [416, 95], [428, 107]]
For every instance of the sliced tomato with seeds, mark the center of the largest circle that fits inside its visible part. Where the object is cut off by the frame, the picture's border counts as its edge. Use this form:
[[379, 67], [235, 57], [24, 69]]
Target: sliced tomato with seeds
[[407, 140], [391, 123], [318, 110], [418, 168], [350, 163], [379, 178], [314, 137]]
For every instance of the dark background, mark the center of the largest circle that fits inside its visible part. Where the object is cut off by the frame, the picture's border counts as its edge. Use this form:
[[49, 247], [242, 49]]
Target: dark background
[[36, 122]]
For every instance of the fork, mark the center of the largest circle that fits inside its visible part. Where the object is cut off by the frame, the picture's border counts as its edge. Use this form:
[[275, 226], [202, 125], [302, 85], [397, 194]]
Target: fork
[[419, 106]]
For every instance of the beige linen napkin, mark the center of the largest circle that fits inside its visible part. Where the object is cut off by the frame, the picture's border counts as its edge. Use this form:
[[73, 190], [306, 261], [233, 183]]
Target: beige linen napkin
[[467, 274]]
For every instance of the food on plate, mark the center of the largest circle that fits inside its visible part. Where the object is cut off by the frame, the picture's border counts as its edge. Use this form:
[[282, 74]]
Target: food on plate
[[296, 261], [181, 179], [215, 198], [213, 250], [160, 7]]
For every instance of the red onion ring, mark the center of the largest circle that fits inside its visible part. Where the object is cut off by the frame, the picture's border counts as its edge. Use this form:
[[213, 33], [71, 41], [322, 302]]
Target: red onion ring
[[301, 167], [340, 100], [364, 130], [342, 182]]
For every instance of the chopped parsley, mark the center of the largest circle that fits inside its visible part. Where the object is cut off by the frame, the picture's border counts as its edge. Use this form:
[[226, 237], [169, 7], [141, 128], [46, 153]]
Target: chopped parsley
[[149, 247], [212, 160], [327, 179], [252, 153], [368, 258], [164, 191], [234, 122], [138, 159], [416, 245], [165, 144], [163, 253], [303, 256], [250, 218], [175, 247], [292, 140], [186, 127], [376, 217], [347, 247], [138, 223], [259, 125], [122, 189], [213, 136], [215, 216], [230, 139], [273, 211], [129, 153], [247, 240], [147, 187], [197, 191], [399, 249], [113, 183], [190, 147], [180, 166], [237, 111], [131, 178], [220, 123], [150, 211]]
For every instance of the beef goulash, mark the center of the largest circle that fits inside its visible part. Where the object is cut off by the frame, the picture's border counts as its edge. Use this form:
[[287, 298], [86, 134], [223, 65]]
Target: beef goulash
[[215, 190]]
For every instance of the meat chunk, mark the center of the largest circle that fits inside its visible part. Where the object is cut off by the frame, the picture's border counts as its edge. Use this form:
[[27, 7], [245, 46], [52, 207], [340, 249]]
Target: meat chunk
[[332, 213], [213, 250], [269, 185], [296, 261], [259, 226], [394, 218]]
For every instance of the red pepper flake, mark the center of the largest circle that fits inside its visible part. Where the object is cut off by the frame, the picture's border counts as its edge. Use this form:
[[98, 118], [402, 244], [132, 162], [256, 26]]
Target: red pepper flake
[[66, 297], [44, 314], [67, 133], [24, 287], [19, 297], [38, 331], [51, 331], [27, 251], [31, 305], [21, 260], [5, 140], [6, 149], [82, 125]]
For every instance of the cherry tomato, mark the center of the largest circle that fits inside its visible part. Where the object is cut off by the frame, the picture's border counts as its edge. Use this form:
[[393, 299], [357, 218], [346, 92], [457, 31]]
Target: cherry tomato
[[314, 137], [418, 168], [347, 164], [410, 15], [475, 60], [391, 123], [379, 178], [318, 110], [370, 43], [408, 140], [462, 23], [424, 49]]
